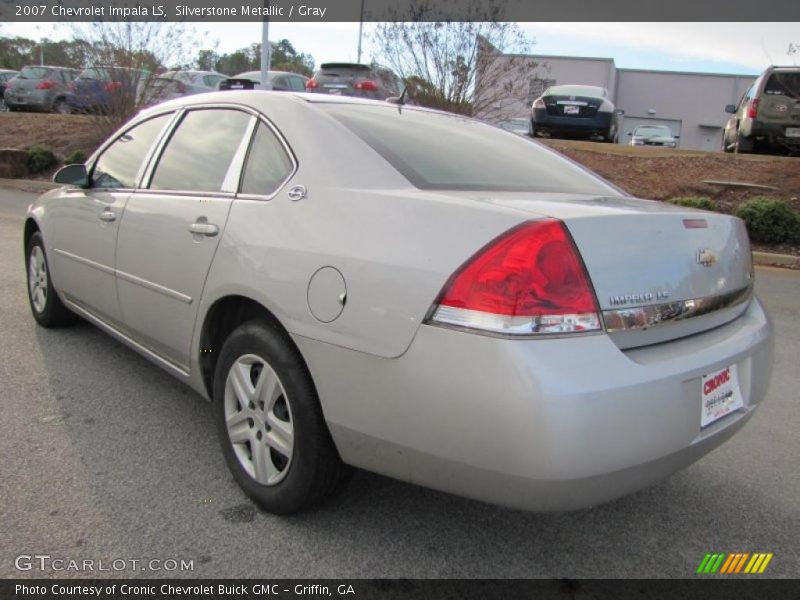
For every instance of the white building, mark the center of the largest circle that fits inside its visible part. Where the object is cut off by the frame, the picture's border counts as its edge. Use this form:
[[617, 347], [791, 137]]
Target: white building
[[691, 104]]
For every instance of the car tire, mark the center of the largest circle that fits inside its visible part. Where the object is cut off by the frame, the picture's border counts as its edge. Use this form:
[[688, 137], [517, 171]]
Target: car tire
[[61, 107], [46, 306], [532, 130], [270, 422], [742, 145]]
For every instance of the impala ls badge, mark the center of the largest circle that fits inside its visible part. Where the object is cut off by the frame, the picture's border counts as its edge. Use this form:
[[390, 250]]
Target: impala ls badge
[[706, 257]]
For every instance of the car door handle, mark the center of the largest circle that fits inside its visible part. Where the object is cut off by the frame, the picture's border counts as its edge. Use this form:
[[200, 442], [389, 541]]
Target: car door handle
[[108, 216], [207, 229]]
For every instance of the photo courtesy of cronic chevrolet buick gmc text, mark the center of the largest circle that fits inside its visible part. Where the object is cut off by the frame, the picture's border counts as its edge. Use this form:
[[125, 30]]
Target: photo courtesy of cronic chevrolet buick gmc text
[[355, 283], [767, 117]]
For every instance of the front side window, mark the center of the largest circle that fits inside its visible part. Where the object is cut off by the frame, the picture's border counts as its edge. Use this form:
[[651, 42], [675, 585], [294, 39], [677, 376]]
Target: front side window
[[119, 164], [199, 153], [268, 165]]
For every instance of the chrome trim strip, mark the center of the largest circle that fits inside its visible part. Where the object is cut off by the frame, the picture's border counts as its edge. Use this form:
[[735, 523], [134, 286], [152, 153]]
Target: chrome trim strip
[[657, 315], [84, 261], [126, 339], [155, 287]]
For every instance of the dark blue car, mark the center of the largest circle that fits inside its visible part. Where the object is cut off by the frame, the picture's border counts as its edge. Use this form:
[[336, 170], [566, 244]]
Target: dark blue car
[[107, 89]]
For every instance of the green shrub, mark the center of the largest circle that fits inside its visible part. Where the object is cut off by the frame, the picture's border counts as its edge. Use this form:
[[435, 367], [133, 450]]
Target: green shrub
[[75, 158], [40, 158], [695, 202], [770, 221]]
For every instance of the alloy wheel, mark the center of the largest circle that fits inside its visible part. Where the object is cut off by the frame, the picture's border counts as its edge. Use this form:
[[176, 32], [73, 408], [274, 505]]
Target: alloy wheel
[[37, 279], [259, 421]]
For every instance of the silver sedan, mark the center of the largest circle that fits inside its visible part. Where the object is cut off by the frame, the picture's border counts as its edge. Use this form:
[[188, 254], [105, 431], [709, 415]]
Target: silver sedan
[[363, 284]]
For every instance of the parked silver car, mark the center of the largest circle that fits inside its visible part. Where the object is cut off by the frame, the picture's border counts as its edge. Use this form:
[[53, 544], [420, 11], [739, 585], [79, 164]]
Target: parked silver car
[[39, 88], [280, 81], [407, 291], [653, 135]]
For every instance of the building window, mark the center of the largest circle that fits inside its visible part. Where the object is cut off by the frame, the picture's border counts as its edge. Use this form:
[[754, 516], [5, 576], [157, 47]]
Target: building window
[[537, 88]]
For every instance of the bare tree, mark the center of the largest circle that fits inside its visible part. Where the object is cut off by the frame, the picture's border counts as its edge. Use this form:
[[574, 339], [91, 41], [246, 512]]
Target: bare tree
[[471, 67], [123, 60]]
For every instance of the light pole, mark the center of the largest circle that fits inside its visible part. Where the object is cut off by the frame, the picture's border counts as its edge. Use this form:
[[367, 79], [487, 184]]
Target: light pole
[[360, 31], [266, 50]]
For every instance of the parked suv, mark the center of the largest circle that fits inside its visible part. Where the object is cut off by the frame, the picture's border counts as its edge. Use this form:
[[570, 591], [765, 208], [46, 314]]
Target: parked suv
[[39, 88], [768, 115], [354, 79]]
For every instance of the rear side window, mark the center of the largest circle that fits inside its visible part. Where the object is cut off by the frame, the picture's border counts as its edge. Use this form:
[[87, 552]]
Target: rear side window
[[268, 164], [34, 72], [783, 84], [212, 80], [436, 151], [297, 84], [119, 164], [200, 152]]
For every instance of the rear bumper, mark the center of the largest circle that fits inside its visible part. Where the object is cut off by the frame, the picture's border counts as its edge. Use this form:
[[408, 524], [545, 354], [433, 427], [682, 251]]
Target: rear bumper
[[542, 424], [771, 132], [36, 99], [588, 125]]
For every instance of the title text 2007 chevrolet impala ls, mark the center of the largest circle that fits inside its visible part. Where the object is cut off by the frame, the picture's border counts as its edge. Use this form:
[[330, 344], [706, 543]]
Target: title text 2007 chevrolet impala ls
[[355, 283]]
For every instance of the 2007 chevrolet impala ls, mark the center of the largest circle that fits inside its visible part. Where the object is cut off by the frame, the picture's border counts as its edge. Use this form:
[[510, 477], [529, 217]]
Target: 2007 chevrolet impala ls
[[357, 283]]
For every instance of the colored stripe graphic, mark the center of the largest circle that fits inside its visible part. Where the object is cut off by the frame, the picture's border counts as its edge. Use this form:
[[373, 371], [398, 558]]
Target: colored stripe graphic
[[724, 563], [703, 563]]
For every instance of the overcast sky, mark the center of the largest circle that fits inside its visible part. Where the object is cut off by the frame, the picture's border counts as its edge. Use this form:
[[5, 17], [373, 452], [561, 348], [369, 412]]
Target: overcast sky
[[714, 47]]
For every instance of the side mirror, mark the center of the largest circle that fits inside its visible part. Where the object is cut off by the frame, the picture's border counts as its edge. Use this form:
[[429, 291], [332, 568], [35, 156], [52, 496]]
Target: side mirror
[[730, 108], [630, 133], [677, 137], [72, 175]]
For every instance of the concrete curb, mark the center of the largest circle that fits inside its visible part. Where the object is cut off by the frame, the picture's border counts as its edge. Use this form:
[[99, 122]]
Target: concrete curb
[[28, 185], [776, 260], [759, 258]]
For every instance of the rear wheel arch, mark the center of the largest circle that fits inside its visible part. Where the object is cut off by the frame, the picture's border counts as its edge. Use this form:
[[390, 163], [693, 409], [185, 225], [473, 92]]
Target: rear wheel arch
[[31, 227], [221, 319]]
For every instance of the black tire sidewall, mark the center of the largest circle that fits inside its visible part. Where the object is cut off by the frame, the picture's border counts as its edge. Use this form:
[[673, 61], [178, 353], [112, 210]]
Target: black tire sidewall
[[47, 316], [293, 492]]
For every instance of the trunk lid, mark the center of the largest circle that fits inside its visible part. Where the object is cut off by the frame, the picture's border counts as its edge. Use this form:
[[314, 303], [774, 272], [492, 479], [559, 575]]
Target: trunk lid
[[571, 106], [659, 271]]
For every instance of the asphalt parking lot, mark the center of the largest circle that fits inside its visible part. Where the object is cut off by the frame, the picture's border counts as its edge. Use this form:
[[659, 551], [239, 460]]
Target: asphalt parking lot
[[106, 457]]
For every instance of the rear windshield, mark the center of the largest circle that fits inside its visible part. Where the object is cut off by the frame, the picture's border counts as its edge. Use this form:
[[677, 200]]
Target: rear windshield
[[436, 151], [785, 84], [343, 71], [34, 72]]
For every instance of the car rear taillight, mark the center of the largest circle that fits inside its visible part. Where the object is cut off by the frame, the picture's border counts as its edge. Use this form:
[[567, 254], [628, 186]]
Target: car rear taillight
[[529, 281], [538, 103], [45, 85], [752, 109], [366, 85], [311, 84], [113, 86], [71, 87]]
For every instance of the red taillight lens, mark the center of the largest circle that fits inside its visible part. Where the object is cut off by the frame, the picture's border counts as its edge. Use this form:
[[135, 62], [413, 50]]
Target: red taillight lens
[[367, 86], [45, 85], [530, 280], [311, 84], [752, 109], [113, 86]]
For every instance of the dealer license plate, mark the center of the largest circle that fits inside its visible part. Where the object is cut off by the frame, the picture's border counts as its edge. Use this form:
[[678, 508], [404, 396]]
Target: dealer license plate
[[793, 132], [721, 395]]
